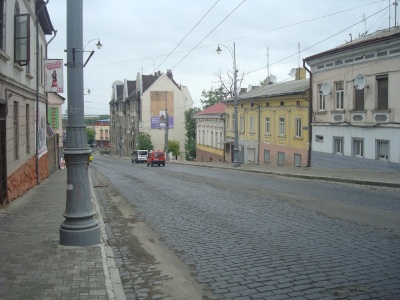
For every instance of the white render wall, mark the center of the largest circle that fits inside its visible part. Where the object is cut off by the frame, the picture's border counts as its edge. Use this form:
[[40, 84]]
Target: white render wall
[[369, 135], [182, 102], [372, 60]]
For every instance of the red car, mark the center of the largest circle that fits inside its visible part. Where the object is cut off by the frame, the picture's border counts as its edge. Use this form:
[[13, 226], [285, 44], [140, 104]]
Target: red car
[[156, 157]]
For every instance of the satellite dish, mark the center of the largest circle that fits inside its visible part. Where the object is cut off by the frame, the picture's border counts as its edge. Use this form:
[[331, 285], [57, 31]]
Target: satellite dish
[[273, 78], [325, 89], [292, 72], [249, 88], [360, 81]]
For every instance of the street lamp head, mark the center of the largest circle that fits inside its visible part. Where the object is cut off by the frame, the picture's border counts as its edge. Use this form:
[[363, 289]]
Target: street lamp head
[[218, 50], [99, 45]]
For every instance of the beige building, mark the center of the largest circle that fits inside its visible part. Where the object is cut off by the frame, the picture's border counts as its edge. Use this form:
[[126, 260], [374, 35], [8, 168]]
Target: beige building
[[54, 115], [153, 104]]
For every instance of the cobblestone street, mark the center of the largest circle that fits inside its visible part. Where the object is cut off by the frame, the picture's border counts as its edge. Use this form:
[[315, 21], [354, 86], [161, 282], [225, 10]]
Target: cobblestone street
[[253, 243]]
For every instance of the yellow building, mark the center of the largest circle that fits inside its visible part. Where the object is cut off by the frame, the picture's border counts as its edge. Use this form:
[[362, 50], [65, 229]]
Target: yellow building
[[272, 124]]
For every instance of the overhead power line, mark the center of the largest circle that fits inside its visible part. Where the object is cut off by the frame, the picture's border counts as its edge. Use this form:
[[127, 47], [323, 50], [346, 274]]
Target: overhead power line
[[186, 35], [209, 33]]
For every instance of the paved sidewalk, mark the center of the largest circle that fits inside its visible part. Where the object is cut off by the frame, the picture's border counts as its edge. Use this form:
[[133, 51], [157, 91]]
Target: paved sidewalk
[[32, 263], [355, 176]]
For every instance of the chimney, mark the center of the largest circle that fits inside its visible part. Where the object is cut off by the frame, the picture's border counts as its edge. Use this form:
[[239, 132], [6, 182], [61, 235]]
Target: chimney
[[300, 73], [169, 74]]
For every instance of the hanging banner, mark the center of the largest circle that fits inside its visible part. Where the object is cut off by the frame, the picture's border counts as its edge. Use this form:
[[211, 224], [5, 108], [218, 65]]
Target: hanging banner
[[53, 76]]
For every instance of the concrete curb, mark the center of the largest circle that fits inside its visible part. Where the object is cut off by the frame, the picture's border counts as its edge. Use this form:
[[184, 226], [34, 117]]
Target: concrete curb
[[113, 282]]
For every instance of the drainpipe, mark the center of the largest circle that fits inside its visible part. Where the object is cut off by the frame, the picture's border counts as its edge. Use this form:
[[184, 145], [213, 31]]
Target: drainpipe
[[310, 113], [37, 90]]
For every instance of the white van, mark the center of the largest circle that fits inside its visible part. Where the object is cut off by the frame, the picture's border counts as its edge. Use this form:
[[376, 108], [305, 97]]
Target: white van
[[139, 156]]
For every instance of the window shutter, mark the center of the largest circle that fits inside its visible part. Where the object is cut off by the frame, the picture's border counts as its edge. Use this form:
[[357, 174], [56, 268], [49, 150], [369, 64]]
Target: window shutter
[[383, 94], [359, 103]]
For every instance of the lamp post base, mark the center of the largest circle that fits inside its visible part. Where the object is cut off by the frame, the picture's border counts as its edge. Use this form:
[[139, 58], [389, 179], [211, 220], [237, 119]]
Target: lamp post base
[[80, 236], [236, 164]]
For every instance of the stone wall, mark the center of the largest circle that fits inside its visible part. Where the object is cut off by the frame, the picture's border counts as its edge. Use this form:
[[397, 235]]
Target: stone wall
[[24, 178]]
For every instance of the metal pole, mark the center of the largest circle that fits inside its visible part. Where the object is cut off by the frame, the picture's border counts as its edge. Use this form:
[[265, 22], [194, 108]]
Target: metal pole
[[236, 162], [166, 125], [120, 140], [37, 90], [79, 228]]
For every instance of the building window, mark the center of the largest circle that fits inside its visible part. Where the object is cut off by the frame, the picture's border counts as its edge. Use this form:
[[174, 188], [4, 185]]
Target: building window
[[358, 147], [16, 131], [241, 123], [298, 127], [27, 129], [106, 135], [321, 100], [22, 39], [212, 139], [252, 124], [41, 65], [382, 149], [3, 5], [319, 138], [233, 123], [359, 99], [281, 126], [220, 140], [266, 156], [227, 123], [383, 92], [267, 125], [339, 95], [338, 145], [204, 137], [198, 136], [216, 140]]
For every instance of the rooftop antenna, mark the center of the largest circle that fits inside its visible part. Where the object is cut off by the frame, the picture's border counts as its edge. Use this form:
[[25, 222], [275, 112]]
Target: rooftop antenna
[[365, 22], [298, 47], [267, 61]]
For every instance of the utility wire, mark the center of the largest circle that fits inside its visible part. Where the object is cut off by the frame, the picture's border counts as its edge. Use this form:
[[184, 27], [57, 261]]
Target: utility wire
[[243, 37], [317, 43], [186, 35], [209, 33]]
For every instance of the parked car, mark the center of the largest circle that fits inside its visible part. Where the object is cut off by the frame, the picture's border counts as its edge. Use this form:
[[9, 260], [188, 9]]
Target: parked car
[[139, 156], [156, 157]]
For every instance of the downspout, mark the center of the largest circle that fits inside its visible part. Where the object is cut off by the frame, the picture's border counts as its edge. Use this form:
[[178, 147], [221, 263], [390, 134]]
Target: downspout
[[259, 132], [310, 113], [37, 90]]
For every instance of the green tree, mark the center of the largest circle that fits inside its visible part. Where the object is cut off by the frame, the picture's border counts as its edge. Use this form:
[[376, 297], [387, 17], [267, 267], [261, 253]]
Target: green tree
[[90, 135], [173, 146], [144, 142], [212, 97], [190, 127]]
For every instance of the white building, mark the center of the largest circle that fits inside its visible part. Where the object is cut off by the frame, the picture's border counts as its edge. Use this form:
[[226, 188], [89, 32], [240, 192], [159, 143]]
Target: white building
[[356, 103], [24, 156]]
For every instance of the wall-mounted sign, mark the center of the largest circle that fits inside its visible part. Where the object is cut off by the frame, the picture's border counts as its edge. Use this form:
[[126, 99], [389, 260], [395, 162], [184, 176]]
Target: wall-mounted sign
[[53, 76]]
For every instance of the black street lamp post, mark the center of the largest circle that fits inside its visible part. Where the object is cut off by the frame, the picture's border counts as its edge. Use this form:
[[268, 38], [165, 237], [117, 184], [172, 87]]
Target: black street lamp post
[[236, 162]]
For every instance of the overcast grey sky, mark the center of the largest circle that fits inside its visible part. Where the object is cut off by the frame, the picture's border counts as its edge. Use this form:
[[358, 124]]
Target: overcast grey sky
[[138, 35]]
